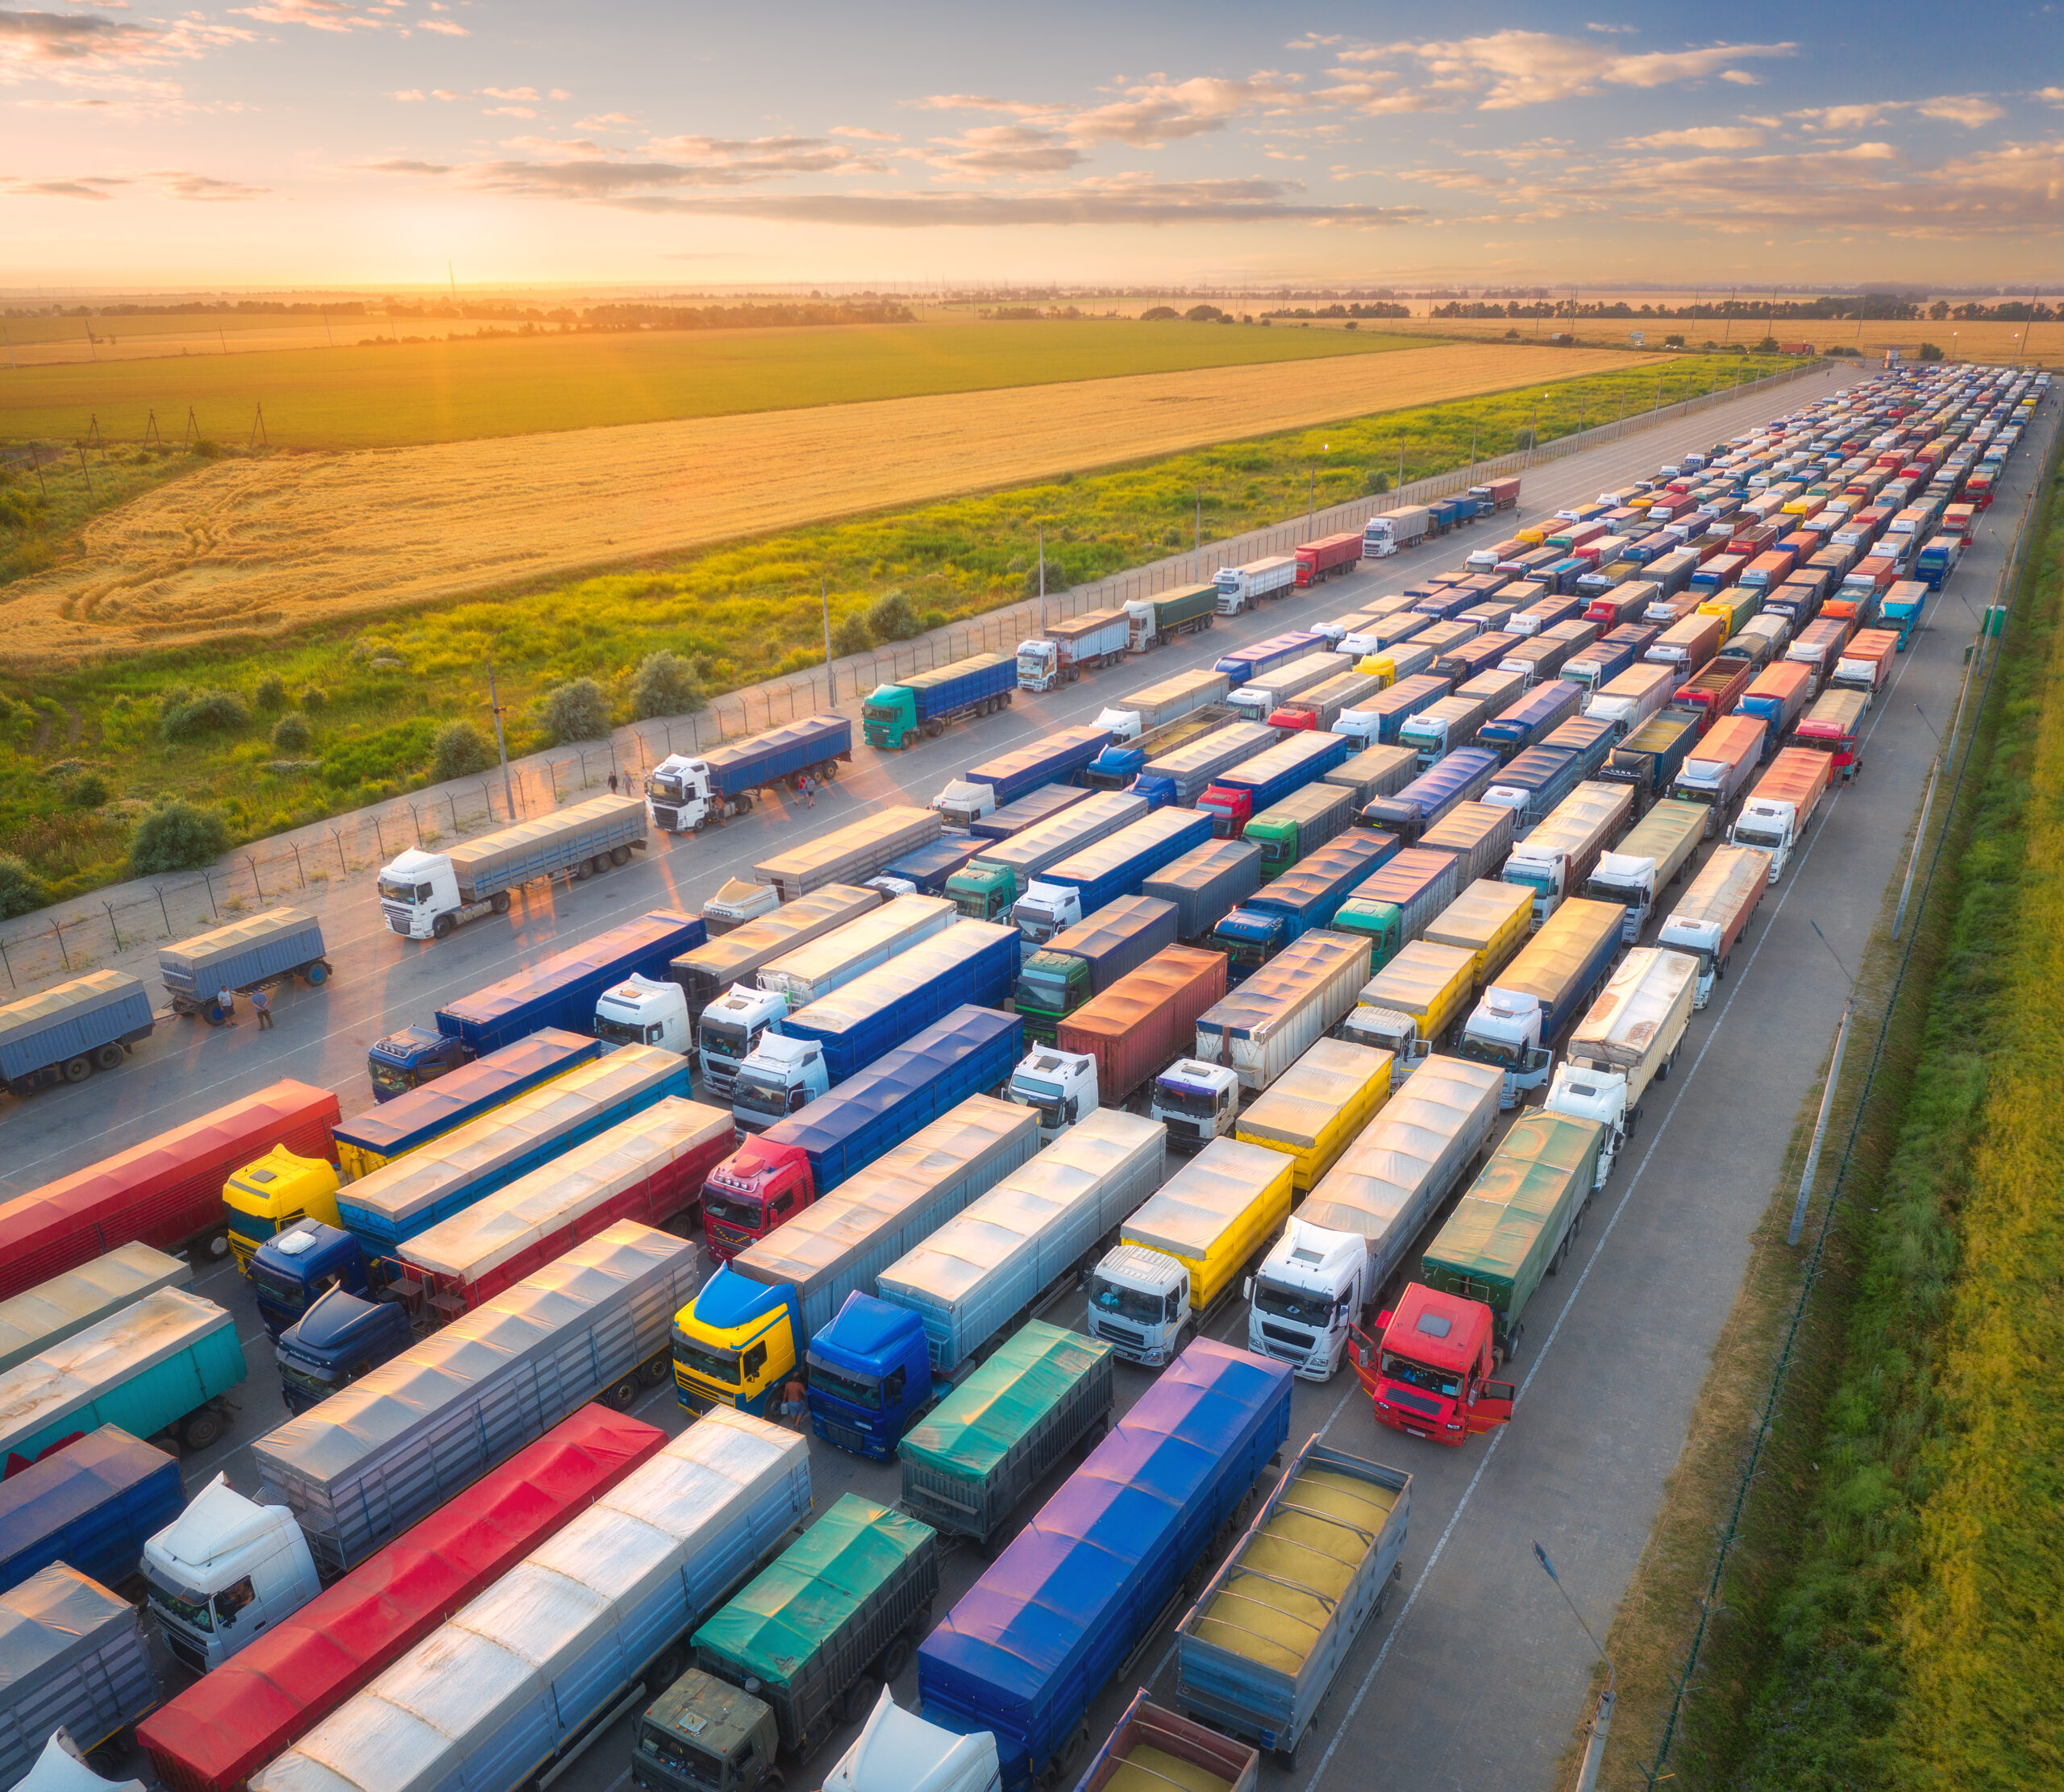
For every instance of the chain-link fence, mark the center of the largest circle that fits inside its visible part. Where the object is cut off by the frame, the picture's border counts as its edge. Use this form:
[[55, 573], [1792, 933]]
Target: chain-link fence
[[74, 936]]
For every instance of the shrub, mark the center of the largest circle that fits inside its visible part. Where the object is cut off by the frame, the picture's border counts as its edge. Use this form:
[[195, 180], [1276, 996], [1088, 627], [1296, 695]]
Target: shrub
[[893, 617], [1202, 314], [461, 750], [207, 450], [313, 697], [665, 684], [20, 888], [849, 635], [1056, 579], [1376, 484], [291, 733], [203, 712], [1160, 314], [1930, 352], [177, 836], [1522, 438], [271, 692], [1673, 342], [577, 711], [404, 746], [88, 790]]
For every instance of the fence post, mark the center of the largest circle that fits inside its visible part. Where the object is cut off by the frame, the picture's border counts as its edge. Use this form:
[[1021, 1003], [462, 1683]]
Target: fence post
[[380, 834], [254, 883], [57, 933], [111, 928], [7, 964], [297, 872], [343, 869], [418, 819], [487, 796]]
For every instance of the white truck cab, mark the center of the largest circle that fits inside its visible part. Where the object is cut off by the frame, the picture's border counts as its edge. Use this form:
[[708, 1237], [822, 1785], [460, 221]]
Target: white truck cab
[[961, 804], [1769, 827], [1591, 1092], [731, 1028], [1044, 910], [677, 796], [1061, 1084], [1197, 1102], [781, 1076], [1388, 1029], [421, 889], [1504, 1030], [1139, 1304], [225, 1571], [643, 1011], [1628, 879], [1312, 1289], [891, 888], [897, 1753], [1123, 725]]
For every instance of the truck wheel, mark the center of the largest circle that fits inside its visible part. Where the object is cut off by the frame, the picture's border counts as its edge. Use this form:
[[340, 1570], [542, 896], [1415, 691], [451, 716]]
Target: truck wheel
[[659, 1371], [212, 1246], [670, 1666], [200, 1430], [829, 771], [741, 804], [443, 927], [856, 1702], [315, 974], [499, 902], [623, 1395], [214, 1014], [1285, 1758], [620, 855], [107, 1057], [78, 1070], [933, 729], [584, 871], [892, 1660]]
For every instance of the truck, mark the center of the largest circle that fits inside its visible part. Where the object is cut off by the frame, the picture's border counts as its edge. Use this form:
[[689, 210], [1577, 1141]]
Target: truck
[[1392, 905], [1324, 703], [1392, 531], [1554, 860], [1319, 560], [1536, 998], [1648, 759], [1411, 1005], [738, 900], [1866, 663], [851, 855], [167, 1193], [1774, 818], [1511, 730], [1593, 667], [393, 1127], [1834, 726], [924, 704], [687, 792], [749, 1328], [1207, 883], [1239, 664], [776, 1173], [1391, 709], [1155, 622], [1777, 698], [1263, 1027], [1118, 1043], [1710, 915], [1517, 1221], [1652, 856], [77, 1670], [381, 1453], [436, 1180], [895, 1751], [1340, 1248], [1462, 776], [1900, 611], [68, 1031], [1056, 758], [814, 970], [1430, 1375], [1087, 881], [205, 975], [1374, 772], [163, 1365], [1818, 646], [1477, 836], [1063, 652], [1041, 805], [1442, 727], [1177, 779], [1272, 1629], [1154, 706], [987, 888], [1317, 1107], [1536, 781], [802, 1649], [1538, 609], [1714, 692], [1636, 694], [66, 1304], [1235, 798], [1082, 961], [1630, 1040], [91, 1505], [1265, 693], [1686, 645], [1489, 920], [1301, 900], [1132, 746], [1096, 1574], [1302, 822], [738, 957], [709, 1509], [1244, 586], [1718, 769], [428, 895], [249, 1710]]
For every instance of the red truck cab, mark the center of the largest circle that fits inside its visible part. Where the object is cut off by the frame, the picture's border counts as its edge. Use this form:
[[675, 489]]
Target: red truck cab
[[1430, 1375], [758, 1187], [1231, 806]]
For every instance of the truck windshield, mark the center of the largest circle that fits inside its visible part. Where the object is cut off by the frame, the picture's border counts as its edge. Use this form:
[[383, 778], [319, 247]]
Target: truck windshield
[[1417, 1374], [669, 788], [1249, 955], [696, 1763], [741, 1211], [1107, 1297], [626, 1033], [728, 1038], [393, 1078], [252, 1225], [862, 1391], [1045, 991], [1276, 849], [1198, 1103], [1307, 1306], [1603, 889], [1756, 837], [316, 1383], [187, 1604], [1541, 883], [1481, 1051], [408, 895], [759, 1094], [283, 1290], [712, 1362], [878, 712]]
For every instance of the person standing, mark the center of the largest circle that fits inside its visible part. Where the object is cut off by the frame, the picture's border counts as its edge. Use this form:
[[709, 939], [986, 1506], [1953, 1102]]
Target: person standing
[[612, 783], [261, 1005], [795, 1401]]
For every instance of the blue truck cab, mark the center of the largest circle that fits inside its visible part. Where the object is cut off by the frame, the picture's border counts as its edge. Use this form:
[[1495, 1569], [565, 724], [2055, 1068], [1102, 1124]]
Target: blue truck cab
[[869, 1376], [291, 1270], [408, 1059], [342, 1338]]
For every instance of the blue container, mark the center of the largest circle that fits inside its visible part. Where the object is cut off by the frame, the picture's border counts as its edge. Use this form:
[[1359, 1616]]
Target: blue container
[[1461, 777], [95, 1010], [929, 866], [1055, 758], [1243, 664], [1310, 893], [400, 1126], [562, 991], [1117, 865], [972, 962], [1530, 720], [780, 753], [1446, 603], [1032, 1643], [943, 697], [93, 1505]]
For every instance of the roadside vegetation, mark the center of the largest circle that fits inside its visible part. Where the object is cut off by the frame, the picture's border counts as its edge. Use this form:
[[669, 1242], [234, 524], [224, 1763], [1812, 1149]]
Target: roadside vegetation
[[271, 735]]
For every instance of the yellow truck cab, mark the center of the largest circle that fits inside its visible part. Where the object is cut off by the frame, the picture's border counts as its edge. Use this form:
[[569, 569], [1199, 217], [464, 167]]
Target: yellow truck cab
[[735, 1345], [266, 1197]]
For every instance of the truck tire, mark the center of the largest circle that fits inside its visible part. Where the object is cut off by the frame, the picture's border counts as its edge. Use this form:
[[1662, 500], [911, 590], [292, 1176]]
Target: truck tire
[[78, 1070], [623, 1394], [198, 1430], [214, 1014], [619, 855], [933, 729], [443, 927], [828, 770], [315, 973], [107, 1057], [212, 1246], [499, 902], [892, 1660], [667, 1667], [659, 1371], [584, 871]]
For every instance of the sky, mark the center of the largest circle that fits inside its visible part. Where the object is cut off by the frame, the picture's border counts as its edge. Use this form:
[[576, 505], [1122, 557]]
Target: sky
[[377, 143]]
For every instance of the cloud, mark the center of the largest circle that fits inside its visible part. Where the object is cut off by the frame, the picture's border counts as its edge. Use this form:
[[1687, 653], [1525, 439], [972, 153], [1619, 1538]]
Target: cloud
[[864, 135], [989, 149], [443, 94], [407, 94], [401, 165], [85, 187], [604, 121], [1158, 112], [1611, 30], [511, 93], [2054, 95], [1698, 136], [509, 111], [317, 15], [1970, 110], [979, 103], [1740, 78], [174, 183], [204, 188], [444, 28], [1502, 71]]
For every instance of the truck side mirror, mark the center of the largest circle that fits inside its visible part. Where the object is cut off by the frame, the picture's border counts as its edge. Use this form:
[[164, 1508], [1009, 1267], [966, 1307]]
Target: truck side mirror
[[1383, 1318], [1247, 1289]]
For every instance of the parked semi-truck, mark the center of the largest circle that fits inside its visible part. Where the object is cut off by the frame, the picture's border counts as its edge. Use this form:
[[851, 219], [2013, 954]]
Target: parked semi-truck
[[1097, 1571], [1627, 1040], [1534, 784], [205, 975], [1710, 915], [1055, 758], [1111, 1048], [1317, 1107], [1300, 824], [1642, 691], [1267, 692], [1063, 652], [426, 895], [1477, 836], [1319, 560], [1040, 805], [851, 855], [1392, 531], [72, 1030], [1082, 961], [686, 792], [1260, 1029], [1593, 668], [1272, 1628], [1651, 856], [1205, 884], [707, 1512], [895, 1752], [1239, 664], [1556, 858], [1132, 745], [1324, 705], [1462, 776], [1777, 698], [738, 957], [1306, 898], [746, 1333], [1316, 1286], [1244, 586], [1516, 1220], [1774, 818], [989, 885], [1410, 1006], [78, 1668], [1511, 730], [1234, 798], [1716, 772], [1392, 905], [66, 1304], [1178, 778], [92, 1505], [1374, 772], [167, 1193], [1551, 980], [923, 704], [1085, 883], [1157, 620]]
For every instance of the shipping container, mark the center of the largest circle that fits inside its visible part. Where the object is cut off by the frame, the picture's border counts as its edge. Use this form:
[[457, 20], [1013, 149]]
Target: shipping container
[[65, 1305], [1478, 836], [1145, 1020]]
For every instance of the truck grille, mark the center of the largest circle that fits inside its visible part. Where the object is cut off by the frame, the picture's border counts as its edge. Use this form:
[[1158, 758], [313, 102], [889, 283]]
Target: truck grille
[[843, 1435], [185, 1650], [397, 919], [669, 819], [1299, 1341], [1118, 1334]]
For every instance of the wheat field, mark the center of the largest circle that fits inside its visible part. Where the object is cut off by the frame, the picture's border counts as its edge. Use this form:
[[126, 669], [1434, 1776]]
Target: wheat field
[[260, 546]]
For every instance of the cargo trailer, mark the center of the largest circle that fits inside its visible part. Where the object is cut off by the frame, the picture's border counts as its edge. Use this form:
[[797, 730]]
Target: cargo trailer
[[1140, 1025], [1373, 772], [1711, 915], [1301, 900], [69, 1031], [1149, 1746], [1155, 622], [1244, 586], [1054, 758], [1300, 824], [204, 975], [1041, 805], [1317, 1107], [685, 792], [1083, 961], [831, 961], [851, 855], [1235, 798], [1627, 1040], [1239, 664], [1263, 1027], [1319, 560], [1478, 836], [66, 1304], [1178, 778], [1262, 696], [91, 1506], [1536, 998], [1393, 905], [75, 1662], [1716, 772], [989, 886], [738, 957], [1490, 919], [1409, 1007], [1557, 858], [1774, 817], [1205, 884], [1085, 883], [1511, 730], [1443, 786], [1065, 650], [1653, 855]]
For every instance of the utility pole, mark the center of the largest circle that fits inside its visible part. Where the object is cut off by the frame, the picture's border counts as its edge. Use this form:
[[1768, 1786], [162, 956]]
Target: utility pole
[[1043, 578], [1199, 519], [831, 671], [501, 743]]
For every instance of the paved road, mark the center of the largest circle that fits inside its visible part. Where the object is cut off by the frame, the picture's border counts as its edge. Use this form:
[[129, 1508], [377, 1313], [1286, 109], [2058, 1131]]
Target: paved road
[[1625, 1332]]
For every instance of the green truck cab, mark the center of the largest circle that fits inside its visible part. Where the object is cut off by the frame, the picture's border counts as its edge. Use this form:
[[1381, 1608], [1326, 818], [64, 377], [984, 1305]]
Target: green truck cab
[[1051, 987], [703, 1735], [1381, 923], [983, 891], [923, 703]]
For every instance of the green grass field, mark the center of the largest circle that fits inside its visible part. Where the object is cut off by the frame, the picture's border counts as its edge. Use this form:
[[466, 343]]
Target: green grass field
[[386, 396]]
